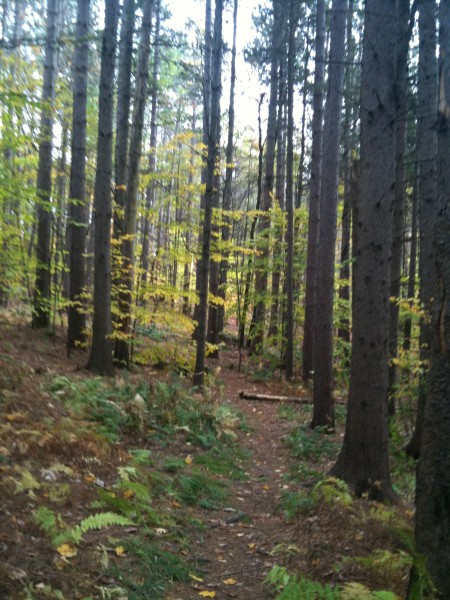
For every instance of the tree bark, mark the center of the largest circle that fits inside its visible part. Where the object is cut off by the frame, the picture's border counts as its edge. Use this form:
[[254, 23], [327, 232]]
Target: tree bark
[[78, 209], [433, 474], [323, 415], [100, 359], [364, 459], [314, 195], [42, 290], [122, 345], [213, 141]]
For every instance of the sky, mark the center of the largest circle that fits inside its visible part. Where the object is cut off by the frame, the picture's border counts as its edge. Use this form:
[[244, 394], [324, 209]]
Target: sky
[[247, 84]]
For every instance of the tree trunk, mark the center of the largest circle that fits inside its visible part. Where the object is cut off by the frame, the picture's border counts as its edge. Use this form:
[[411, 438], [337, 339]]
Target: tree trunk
[[100, 359], [122, 345], [364, 459], [227, 191], [261, 266], [314, 194], [42, 291], [433, 474], [426, 156], [78, 209], [213, 141], [323, 415]]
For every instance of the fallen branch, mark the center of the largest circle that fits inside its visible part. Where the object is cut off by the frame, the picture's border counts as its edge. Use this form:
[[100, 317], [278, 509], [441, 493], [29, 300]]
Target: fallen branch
[[252, 396]]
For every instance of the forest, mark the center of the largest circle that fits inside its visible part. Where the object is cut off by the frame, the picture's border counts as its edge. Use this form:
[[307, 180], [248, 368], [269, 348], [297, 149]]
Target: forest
[[224, 321]]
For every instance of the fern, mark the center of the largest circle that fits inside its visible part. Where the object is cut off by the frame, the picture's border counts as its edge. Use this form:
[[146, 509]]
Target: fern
[[46, 519], [97, 521]]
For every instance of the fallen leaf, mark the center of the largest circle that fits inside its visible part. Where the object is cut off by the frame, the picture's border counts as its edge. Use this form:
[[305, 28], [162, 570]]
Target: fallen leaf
[[194, 577], [251, 546], [16, 417], [188, 460], [66, 550], [120, 551], [266, 487], [206, 594], [127, 494], [229, 581], [90, 477], [160, 531]]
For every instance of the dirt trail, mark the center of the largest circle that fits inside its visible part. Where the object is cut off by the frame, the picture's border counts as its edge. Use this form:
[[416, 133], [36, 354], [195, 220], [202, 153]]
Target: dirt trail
[[238, 541]]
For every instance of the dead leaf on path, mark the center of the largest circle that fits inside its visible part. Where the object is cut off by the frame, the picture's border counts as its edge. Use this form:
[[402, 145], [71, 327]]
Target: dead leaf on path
[[194, 577], [188, 460], [66, 550], [120, 551], [206, 594], [229, 581], [251, 546]]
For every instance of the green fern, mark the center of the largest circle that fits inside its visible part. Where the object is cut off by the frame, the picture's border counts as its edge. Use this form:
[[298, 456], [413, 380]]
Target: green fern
[[97, 521]]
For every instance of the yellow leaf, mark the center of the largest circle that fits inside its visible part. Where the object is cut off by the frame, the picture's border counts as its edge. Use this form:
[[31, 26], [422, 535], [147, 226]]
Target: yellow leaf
[[194, 577], [128, 494], [66, 550], [188, 460], [266, 487], [206, 594], [15, 417], [251, 546], [230, 581], [120, 551], [90, 477]]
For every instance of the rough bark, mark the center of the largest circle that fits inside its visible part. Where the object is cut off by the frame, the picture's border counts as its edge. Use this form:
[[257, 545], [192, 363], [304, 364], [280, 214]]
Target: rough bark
[[42, 290], [323, 414], [433, 474], [364, 459], [78, 209], [314, 194], [100, 359]]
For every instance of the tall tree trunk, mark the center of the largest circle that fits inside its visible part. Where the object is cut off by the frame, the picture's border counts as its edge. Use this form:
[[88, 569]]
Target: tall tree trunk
[[100, 359], [314, 194], [261, 266], [42, 291], [426, 157], [433, 473], [122, 346], [403, 37], [364, 459], [289, 354], [227, 191], [323, 414], [407, 326], [213, 140], [78, 209]]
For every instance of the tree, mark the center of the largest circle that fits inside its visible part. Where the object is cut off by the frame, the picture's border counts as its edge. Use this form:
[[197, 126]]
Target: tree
[[212, 149], [323, 339], [364, 461], [42, 290], [426, 189], [78, 209], [433, 474], [122, 348], [100, 358], [314, 194]]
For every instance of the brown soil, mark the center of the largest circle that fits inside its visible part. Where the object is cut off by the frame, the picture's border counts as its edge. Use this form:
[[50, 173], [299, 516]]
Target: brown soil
[[237, 546]]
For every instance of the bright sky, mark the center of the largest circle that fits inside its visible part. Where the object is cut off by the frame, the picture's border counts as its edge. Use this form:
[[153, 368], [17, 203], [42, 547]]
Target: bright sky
[[247, 85]]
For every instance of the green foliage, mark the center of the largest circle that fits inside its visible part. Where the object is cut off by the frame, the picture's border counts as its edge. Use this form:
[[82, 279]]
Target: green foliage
[[332, 491], [295, 504], [196, 488], [356, 591], [290, 587], [305, 443], [53, 525], [153, 570]]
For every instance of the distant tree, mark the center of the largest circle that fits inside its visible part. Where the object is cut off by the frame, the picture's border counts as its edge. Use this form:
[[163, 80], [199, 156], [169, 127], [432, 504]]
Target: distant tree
[[314, 194], [42, 290], [101, 359], [212, 149], [433, 474], [364, 460], [78, 207]]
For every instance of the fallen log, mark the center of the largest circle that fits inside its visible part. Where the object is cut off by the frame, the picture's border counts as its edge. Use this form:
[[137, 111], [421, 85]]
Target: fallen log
[[252, 396]]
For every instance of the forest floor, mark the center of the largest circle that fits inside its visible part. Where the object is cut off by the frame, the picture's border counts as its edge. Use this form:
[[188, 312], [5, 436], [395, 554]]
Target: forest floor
[[262, 500]]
